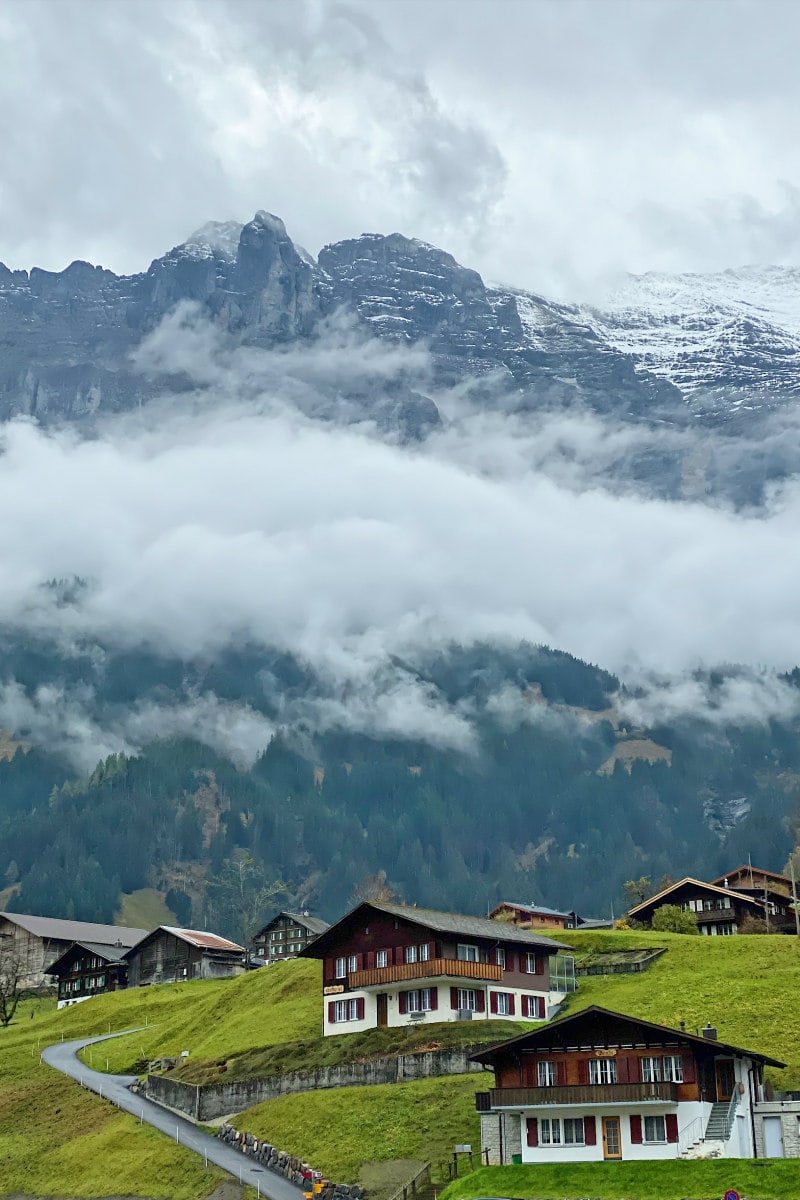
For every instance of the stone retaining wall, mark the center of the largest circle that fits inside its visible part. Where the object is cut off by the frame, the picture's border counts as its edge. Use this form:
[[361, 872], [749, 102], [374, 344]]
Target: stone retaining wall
[[205, 1102], [291, 1167]]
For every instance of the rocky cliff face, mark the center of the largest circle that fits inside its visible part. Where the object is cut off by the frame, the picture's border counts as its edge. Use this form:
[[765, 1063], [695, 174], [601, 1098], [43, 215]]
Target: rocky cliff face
[[678, 350]]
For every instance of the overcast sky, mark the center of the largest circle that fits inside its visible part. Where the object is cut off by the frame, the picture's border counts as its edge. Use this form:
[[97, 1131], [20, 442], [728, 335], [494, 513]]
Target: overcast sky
[[549, 143]]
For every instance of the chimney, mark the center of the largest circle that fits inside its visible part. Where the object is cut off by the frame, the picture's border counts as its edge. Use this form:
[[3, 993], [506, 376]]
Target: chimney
[[683, 1026], [709, 1032], [726, 884]]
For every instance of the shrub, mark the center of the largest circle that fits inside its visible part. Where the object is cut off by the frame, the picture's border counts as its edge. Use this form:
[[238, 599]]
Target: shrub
[[669, 918]]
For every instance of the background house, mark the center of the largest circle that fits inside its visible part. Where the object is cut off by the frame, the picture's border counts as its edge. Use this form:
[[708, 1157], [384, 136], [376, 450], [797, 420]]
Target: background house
[[719, 911], [173, 955], [286, 935], [391, 964], [38, 941], [538, 916], [88, 969], [600, 1085]]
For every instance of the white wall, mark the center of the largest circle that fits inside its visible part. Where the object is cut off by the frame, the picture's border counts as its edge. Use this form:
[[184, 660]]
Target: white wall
[[443, 1013], [687, 1112]]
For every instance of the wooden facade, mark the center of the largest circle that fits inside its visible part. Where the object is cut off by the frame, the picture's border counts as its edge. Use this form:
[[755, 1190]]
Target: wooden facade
[[173, 955], [286, 935], [719, 911], [86, 970]]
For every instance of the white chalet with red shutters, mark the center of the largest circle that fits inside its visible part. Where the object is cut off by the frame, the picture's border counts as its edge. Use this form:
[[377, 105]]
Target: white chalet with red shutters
[[391, 964], [600, 1085]]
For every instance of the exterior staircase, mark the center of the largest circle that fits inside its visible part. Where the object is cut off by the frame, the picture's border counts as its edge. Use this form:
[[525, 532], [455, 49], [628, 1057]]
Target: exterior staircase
[[710, 1142], [720, 1122]]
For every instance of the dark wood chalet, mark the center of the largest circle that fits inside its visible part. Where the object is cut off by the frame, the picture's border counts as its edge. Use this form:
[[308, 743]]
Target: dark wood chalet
[[173, 955], [717, 910], [286, 935], [773, 890], [601, 1085], [88, 969], [537, 916], [38, 941], [392, 964]]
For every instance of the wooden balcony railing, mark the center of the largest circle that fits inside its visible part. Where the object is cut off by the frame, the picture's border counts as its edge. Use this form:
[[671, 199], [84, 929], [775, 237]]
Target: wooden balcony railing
[[432, 968], [588, 1093], [709, 915]]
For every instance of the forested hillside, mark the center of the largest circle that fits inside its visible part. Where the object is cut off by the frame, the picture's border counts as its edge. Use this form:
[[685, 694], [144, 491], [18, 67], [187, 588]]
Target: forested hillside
[[555, 799]]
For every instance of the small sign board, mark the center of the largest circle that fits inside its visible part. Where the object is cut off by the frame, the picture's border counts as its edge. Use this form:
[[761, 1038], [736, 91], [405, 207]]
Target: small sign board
[[184, 1053], [333, 989], [732, 1194], [466, 1148]]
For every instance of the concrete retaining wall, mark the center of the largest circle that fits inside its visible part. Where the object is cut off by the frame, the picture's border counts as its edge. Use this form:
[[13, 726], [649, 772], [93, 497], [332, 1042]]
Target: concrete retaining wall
[[207, 1101]]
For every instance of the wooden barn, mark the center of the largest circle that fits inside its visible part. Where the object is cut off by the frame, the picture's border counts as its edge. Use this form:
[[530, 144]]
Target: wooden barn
[[173, 955]]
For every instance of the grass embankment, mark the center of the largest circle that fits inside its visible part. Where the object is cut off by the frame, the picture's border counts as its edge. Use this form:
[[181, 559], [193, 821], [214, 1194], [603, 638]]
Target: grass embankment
[[58, 1140], [307, 1055], [633, 1181], [342, 1129], [747, 987]]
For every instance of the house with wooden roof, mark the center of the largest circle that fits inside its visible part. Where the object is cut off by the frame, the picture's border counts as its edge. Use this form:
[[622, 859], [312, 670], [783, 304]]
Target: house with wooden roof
[[286, 935], [719, 911], [393, 964], [601, 1085], [88, 969], [173, 955], [539, 916], [37, 941]]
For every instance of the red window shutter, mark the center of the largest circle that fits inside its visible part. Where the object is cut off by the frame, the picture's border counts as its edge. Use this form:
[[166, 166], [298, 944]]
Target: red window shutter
[[399, 955], [360, 1008], [523, 963], [561, 1080], [493, 1001], [434, 999], [532, 1131], [540, 1013], [636, 1130], [453, 998], [583, 1071], [671, 1123], [539, 966], [403, 1001], [359, 962], [511, 1008], [480, 1000], [331, 1010], [589, 1131], [623, 1069], [689, 1072], [431, 951], [370, 959]]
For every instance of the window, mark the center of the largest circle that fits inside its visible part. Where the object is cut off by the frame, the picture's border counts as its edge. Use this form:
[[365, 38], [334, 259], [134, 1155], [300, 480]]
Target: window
[[352, 962], [530, 963], [382, 958], [345, 1010], [503, 1004], [411, 954], [533, 1007], [553, 1131], [418, 1000], [546, 1074], [341, 968], [101, 981], [500, 957], [651, 1070], [673, 1068], [467, 953], [602, 1070], [655, 1129], [424, 952], [468, 999]]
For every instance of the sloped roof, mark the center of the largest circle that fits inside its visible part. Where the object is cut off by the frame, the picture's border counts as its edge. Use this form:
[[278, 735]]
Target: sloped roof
[[76, 931], [532, 908], [745, 869], [709, 887], [111, 954], [543, 1034], [312, 924], [439, 922], [201, 938]]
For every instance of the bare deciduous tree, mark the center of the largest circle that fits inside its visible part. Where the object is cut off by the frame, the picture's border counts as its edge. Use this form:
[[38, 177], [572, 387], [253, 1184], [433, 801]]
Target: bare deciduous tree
[[13, 978]]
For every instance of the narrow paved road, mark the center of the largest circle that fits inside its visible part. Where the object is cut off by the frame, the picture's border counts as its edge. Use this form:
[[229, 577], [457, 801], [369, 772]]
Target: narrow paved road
[[64, 1057]]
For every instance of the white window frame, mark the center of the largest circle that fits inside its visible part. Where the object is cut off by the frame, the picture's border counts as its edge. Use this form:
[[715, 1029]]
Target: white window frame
[[468, 999], [530, 962], [344, 1010], [352, 962], [673, 1068], [562, 1131], [503, 1004], [654, 1141], [537, 1002], [602, 1070], [340, 969], [410, 954], [381, 958], [466, 952], [549, 1131], [424, 952], [418, 1000], [546, 1073], [651, 1069], [573, 1126], [500, 957]]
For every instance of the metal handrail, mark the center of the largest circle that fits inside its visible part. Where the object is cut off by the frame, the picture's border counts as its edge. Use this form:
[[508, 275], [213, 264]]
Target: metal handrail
[[687, 1139]]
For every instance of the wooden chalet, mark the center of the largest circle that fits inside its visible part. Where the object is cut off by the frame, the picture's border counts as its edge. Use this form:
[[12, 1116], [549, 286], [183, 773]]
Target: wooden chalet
[[601, 1085], [538, 916], [286, 935], [392, 964], [173, 955], [719, 911], [88, 969], [38, 941]]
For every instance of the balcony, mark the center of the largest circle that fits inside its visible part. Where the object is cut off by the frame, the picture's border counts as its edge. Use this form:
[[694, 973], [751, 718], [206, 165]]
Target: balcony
[[589, 1093], [715, 915], [432, 968]]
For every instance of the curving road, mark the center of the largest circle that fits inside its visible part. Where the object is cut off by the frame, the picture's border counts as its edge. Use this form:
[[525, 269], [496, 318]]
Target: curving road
[[63, 1056]]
